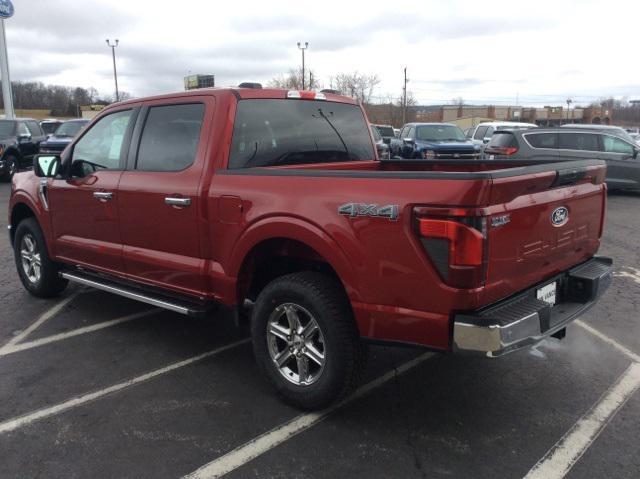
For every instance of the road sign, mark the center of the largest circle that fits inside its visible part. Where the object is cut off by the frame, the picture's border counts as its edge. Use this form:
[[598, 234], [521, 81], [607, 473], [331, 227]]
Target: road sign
[[6, 9]]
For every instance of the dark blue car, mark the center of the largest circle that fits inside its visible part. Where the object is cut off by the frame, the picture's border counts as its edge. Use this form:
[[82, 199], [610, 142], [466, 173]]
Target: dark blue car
[[62, 136], [433, 140]]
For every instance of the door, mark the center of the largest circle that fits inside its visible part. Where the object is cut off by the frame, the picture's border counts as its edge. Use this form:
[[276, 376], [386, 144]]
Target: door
[[84, 212], [623, 164], [158, 195]]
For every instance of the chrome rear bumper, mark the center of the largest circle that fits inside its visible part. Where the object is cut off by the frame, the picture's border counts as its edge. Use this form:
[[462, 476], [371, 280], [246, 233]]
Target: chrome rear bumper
[[523, 320]]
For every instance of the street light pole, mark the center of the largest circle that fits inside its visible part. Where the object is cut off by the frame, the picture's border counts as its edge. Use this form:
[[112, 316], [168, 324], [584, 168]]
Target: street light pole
[[4, 72], [115, 72], [306, 45]]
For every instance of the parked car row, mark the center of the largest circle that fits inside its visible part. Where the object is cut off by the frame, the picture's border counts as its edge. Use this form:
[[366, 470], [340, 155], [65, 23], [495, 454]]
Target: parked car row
[[23, 138]]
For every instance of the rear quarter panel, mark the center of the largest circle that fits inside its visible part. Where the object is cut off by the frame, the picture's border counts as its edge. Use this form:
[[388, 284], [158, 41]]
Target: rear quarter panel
[[394, 291]]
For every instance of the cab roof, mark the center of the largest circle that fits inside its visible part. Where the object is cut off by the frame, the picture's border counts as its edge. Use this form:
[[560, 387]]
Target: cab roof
[[239, 93]]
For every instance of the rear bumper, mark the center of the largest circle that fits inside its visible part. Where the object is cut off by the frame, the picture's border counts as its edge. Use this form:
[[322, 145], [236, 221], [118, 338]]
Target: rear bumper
[[523, 320]]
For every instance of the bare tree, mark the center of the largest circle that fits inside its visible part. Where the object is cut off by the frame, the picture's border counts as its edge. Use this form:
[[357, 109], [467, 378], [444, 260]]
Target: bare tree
[[459, 101], [292, 80], [356, 85]]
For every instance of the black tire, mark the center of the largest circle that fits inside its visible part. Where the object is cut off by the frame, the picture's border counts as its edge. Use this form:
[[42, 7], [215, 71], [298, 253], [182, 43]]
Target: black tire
[[344, 355], [12, 167], [48, 282]]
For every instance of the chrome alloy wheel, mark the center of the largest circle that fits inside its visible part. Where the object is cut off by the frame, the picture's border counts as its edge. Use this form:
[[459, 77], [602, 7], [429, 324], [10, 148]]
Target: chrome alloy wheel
[[30, 255], [296, 344]]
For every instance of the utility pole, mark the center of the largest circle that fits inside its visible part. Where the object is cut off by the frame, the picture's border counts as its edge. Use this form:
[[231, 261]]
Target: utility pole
[[569, 102], [404, 98], [306, 45], [115, 72]]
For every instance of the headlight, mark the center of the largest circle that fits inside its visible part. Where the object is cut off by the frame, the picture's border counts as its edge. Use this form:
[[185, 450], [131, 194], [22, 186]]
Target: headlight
[[428, 154]]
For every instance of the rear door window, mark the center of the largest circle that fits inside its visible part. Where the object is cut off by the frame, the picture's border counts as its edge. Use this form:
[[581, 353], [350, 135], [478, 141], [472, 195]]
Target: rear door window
[[543, 140], [616, 145], [269, 132], [489, 132], [170, 137], [578, 141]]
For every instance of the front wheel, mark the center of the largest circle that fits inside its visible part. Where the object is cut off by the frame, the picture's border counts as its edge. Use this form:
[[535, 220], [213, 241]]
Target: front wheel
[[39, 275], [305, 340]]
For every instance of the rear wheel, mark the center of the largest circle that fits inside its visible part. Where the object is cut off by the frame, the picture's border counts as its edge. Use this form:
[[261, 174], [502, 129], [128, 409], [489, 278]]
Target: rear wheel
[[305, 340], [39, 275]]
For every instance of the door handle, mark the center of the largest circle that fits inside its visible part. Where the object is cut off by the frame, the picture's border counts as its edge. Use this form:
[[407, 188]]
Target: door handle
[[103, 195], [173, 201]]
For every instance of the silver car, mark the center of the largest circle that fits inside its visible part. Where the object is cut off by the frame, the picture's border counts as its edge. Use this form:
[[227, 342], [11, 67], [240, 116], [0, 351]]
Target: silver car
[[557, 144]]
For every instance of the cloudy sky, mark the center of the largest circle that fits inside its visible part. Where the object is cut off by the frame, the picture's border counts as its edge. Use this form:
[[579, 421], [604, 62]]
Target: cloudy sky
[[537, 51]]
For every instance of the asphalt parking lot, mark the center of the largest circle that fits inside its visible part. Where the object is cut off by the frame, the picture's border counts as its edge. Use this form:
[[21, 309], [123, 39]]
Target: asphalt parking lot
[[93, 385]]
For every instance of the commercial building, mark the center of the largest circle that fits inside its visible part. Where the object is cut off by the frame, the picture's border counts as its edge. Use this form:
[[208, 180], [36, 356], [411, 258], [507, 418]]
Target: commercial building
[[467, 116]]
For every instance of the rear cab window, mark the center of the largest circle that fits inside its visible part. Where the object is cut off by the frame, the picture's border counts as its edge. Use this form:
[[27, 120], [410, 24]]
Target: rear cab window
[[272, 132]]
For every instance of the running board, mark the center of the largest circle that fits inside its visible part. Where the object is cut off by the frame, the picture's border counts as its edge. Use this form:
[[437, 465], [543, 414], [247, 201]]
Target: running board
[[179, 306]]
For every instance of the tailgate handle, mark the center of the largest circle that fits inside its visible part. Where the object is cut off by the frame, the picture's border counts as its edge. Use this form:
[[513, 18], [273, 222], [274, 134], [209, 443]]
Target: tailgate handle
[[175, 201], [569, 176]]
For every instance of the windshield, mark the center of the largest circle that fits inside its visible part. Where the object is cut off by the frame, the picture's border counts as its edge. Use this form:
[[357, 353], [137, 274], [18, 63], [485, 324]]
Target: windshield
[[7, 128], [386, 131], [70, 128], [289, 132], [440, 133]]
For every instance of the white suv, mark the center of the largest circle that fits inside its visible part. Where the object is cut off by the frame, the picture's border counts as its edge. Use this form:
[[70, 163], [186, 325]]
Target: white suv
[[483, 132]]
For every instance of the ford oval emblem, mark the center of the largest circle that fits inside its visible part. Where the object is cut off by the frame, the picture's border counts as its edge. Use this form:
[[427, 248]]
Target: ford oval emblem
[[6, 9], [560, 216]]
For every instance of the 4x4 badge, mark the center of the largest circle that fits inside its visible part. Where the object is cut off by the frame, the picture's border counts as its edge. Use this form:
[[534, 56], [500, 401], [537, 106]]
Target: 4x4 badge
[[364, 209]]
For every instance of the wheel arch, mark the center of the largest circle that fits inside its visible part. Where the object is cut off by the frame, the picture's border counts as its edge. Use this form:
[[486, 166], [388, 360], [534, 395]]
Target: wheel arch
[[281, 246], [19, 213]]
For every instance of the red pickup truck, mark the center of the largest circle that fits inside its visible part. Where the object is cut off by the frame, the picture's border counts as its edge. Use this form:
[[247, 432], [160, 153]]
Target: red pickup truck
[[274, 203]]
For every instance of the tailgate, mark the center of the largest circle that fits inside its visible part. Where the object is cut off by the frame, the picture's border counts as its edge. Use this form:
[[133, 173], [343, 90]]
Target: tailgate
[[541, 224]]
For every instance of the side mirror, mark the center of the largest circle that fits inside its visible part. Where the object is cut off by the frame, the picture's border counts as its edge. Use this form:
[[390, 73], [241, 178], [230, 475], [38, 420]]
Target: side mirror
[[24, 138], [486, 140], [47, 166], [409, 141]]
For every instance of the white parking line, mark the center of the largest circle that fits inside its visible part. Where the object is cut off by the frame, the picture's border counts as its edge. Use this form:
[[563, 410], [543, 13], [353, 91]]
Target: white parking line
[[267, 441], [10, 349], [13, 424], [623, 349], [564, 454], [51, 312]]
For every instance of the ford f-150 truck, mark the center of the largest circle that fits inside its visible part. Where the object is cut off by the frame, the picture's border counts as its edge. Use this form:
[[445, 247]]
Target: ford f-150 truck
[[274, 203]]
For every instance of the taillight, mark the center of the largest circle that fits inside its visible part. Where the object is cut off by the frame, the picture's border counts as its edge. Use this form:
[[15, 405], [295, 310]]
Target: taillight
[[455, 243], [502, 150]]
